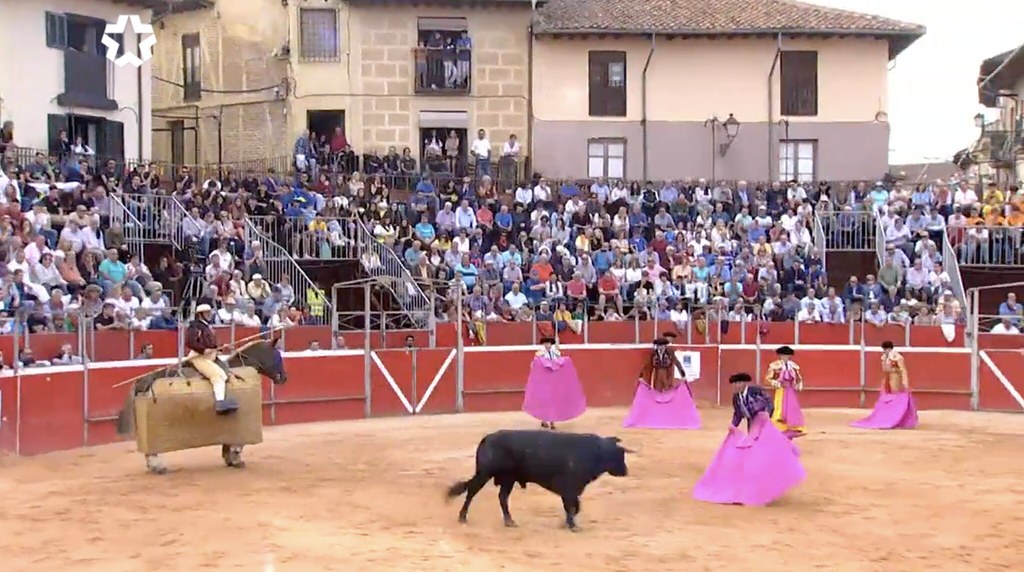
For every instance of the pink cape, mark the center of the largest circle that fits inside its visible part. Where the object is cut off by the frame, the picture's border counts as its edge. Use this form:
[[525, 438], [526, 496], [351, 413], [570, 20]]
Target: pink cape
[[553, 390], [892, 411], [672, 409], [792, 415], [752, 469]]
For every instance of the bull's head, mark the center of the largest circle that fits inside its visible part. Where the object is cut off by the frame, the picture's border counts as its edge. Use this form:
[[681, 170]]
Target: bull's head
[[613, 457]]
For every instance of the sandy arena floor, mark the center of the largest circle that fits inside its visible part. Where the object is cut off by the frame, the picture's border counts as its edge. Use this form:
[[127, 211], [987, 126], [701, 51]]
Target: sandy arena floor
[[367, 496]]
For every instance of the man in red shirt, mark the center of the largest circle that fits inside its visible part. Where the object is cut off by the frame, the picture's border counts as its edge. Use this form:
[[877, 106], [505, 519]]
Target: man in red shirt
[[608, 291], [338, 141], [576, 289]]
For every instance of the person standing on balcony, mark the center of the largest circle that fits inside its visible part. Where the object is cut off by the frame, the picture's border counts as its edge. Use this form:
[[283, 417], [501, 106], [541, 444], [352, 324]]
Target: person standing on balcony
[[464, 51], [481, 150]]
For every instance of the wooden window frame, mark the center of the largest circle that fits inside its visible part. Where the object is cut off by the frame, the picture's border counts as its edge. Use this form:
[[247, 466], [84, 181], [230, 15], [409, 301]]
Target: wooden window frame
[[605, 99], [792, 169], [191, 67], [798, 83], [605, 156], [311, 45]]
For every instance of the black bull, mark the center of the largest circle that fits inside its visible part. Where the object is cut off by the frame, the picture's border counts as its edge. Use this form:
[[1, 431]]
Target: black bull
[[262, 355], [563, 463]]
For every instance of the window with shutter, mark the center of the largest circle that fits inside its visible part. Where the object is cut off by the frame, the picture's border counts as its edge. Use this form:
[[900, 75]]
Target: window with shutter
[[797, 160], [113, 141], [798, 83], [56, 31], [55, 123], [192, 74], [606, 158], [607, 74]]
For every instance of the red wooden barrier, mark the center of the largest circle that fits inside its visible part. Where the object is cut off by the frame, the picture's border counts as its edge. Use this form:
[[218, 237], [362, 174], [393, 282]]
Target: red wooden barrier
[[66, 407]]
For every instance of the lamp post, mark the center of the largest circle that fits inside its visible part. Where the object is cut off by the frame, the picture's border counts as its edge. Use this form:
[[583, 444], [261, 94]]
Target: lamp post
[[731, 126]]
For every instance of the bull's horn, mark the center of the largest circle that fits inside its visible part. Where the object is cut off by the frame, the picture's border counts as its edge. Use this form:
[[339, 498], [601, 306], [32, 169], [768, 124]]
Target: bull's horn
[[628, 450]]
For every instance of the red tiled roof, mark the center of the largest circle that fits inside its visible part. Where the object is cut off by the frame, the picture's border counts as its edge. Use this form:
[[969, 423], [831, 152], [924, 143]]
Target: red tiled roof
[[717, 17]]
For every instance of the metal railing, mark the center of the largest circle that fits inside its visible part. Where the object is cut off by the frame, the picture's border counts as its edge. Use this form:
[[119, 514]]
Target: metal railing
[[160, 219], [324, 238], [279, 262], [129, 223], [880, 241], [989, 246], [848, 230], [442, 70], [820, 240], [952, 267], [380, 262]]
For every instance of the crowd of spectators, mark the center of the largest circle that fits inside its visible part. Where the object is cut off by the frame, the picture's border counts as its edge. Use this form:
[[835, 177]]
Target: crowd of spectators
[[63, 260], [557, 252]]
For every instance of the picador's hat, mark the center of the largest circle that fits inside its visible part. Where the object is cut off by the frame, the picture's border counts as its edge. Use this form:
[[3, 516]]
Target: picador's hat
[[660, 342], [740, 378], [547, 340], [669, 335], [785, 351], [203, 308]]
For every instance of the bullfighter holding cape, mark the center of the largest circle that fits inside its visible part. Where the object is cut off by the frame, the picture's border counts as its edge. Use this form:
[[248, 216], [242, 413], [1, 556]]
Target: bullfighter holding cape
[[753, 468], [553, 390], [785, 378], [895, 407], [663, 398]]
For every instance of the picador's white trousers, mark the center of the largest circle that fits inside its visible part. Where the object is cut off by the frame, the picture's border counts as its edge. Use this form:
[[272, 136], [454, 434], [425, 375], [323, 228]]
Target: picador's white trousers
[[206, 365]]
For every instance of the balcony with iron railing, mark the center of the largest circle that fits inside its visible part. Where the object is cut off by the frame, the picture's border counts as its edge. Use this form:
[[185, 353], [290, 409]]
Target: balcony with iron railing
[[442, 70]]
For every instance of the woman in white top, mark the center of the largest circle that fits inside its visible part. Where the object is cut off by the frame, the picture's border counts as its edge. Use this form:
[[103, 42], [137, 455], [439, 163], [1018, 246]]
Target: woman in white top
[[46, 274], [720, 235], [280, 319], [633, 273], [81, 149], [620, 223], [808, 314], [618, 193]]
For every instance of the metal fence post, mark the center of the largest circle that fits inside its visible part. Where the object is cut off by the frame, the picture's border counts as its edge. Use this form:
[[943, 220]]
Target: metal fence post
[[367, 385]]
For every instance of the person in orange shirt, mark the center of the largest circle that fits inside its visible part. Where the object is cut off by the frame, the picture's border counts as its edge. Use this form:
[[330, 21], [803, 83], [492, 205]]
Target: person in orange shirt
[[543, 269], [974, 217], [994, 216], [1016, 217]]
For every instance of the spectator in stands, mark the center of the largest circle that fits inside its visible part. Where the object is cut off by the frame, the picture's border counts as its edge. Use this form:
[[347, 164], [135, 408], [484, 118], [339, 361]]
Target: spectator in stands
[[1004, 326], [146, 352]]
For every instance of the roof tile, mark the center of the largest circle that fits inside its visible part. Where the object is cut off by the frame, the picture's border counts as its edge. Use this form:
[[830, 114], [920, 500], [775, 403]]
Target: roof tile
[[710, 16]]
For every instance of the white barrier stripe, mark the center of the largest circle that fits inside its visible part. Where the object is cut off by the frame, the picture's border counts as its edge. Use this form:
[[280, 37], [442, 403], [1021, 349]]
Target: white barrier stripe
[[163, 362], [1002, 379], [436, 380], [764, 347], [391, 381]]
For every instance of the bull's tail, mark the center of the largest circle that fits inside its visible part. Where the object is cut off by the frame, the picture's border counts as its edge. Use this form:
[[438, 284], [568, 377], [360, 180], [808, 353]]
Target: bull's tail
[[126, 417], [457, 490]]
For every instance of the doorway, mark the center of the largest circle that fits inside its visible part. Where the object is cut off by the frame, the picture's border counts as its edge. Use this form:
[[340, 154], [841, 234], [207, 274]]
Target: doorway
[[323, 122], [433, 138], [177, 143]]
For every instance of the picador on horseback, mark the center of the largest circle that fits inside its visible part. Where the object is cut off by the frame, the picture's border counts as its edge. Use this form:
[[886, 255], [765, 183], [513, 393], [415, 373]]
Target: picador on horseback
[[170, 409], [203, 347]]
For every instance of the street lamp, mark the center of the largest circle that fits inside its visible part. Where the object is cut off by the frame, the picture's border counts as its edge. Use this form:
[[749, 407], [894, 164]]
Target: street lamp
[[732, 128]]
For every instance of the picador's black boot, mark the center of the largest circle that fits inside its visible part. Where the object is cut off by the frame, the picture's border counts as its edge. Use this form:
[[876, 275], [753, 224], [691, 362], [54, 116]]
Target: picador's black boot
[[225, 406]]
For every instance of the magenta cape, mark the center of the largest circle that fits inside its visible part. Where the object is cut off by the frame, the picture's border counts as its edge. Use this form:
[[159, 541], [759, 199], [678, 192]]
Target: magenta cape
[[553, 390], [892, 411], [672, 409], [752, 469]]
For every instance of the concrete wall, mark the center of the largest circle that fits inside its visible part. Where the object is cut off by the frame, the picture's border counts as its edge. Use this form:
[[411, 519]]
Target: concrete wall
[[689, 81]]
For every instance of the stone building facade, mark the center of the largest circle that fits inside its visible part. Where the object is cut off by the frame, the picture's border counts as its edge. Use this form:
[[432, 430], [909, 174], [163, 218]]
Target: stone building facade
[[269, 71]]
